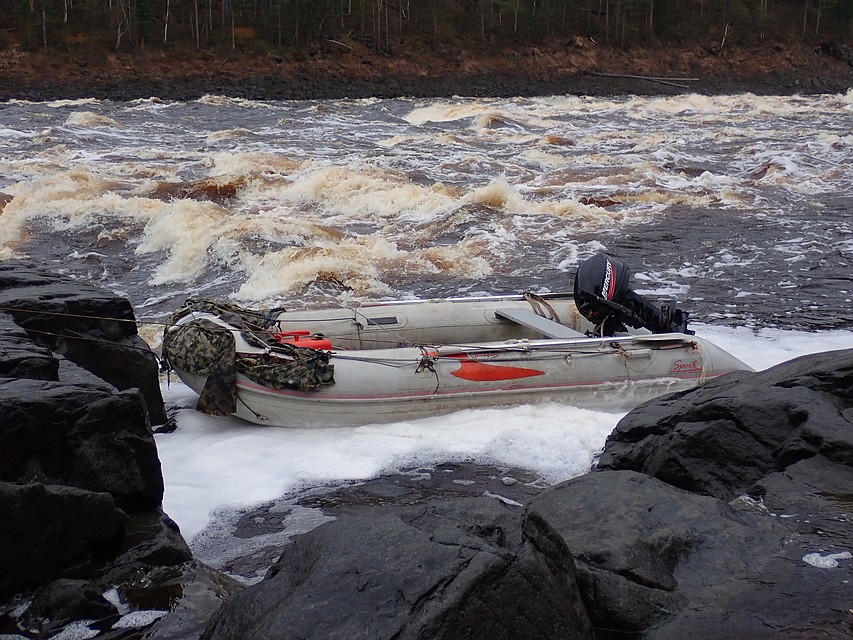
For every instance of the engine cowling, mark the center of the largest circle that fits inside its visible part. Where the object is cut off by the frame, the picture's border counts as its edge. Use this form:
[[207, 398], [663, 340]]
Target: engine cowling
[[603, 297]]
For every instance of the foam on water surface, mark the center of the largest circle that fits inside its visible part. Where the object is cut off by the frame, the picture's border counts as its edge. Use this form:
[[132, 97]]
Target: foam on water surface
[[514, 173], [828, 561]]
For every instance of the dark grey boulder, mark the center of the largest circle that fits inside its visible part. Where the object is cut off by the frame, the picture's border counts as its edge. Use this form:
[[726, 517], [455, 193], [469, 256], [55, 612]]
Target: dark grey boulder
[[84, 436], [724, 508], [722, 437], [80, 481], [459, 568], [63, 601], [49, 530], [665, 563], [191, 595], [93, 328], [21, 357]]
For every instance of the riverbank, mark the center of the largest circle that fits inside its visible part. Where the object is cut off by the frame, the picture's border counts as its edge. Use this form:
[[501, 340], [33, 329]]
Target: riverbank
[[580, 67]]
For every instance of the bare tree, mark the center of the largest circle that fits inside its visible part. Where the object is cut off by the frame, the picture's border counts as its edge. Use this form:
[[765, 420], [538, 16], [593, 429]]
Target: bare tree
[[166, 21]]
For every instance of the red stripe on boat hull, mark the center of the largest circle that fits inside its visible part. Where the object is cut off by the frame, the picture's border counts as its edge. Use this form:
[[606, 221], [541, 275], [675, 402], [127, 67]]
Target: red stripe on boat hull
[[481, 372]]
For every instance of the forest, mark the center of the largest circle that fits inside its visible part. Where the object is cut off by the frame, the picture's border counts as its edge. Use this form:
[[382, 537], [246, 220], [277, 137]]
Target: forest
[[383, 26]]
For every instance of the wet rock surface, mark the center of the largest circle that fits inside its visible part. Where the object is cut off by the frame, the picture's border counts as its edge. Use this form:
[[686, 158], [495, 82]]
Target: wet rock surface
[[84, 541], [738, 492], [91, 327], [675, 533], [722, 437], [246, 542], [445, 568]]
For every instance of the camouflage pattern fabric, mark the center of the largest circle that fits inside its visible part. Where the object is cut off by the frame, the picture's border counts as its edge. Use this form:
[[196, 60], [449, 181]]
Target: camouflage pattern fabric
[[253, 324], [308, 372], [205, 348]]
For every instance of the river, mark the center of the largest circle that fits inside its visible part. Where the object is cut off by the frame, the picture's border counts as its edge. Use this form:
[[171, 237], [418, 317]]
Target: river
[[739, 206]]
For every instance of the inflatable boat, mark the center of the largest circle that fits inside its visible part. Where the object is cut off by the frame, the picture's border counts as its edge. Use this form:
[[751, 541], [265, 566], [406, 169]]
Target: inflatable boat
[[402, 360]]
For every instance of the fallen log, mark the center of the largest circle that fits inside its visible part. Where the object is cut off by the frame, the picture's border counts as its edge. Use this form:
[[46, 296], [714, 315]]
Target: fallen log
[[668, 81]]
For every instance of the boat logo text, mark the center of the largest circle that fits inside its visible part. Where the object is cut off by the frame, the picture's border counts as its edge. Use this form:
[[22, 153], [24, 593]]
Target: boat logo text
[[690, 366]]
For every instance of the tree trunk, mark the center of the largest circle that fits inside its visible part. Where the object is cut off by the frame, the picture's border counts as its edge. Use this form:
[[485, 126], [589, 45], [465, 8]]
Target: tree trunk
[[166, 23], [817, 18], [651, 22], [376, 15], [434, 26], [197, 26]]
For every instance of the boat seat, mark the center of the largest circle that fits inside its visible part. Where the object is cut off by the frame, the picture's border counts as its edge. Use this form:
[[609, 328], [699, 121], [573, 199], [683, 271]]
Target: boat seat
[[529, 319]]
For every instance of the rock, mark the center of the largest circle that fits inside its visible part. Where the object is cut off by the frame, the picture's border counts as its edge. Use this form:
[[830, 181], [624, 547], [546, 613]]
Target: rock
[[63, 601], [87, 437], [665, 563], [443, 569], [22, 358], [737, 518], [80, 481], [152, 540], [94, 328], [104, 530], [247, 541], [200, 594], [48, 530], [720, 438]]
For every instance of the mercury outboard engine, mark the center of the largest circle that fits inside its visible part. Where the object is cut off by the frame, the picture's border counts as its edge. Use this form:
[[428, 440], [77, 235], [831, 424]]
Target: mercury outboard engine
[[603, 297]]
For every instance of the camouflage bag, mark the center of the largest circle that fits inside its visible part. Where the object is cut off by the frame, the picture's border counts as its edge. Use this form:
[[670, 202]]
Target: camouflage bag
[[308, 372], [205, 348]]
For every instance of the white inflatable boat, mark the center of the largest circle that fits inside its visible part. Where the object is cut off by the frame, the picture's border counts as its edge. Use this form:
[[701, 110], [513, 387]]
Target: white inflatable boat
[[403, 360]]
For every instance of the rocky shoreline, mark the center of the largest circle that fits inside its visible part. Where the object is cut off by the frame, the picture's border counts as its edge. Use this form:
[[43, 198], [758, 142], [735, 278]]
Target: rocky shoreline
[[726, 507], [577, 67], [84, 535]]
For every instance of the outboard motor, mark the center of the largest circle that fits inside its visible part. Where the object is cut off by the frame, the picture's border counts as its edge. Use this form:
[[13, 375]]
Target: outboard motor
[[602, 296]]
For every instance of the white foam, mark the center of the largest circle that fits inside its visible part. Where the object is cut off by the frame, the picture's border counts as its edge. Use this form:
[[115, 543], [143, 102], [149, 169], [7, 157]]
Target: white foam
[[90, 119], [829, 561], [210, 462], [138, 618], [76, 631], [112, 596], [766, 347]]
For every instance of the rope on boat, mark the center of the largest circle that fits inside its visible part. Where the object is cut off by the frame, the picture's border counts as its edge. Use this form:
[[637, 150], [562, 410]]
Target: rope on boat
[[66, 314], [428, 363], [68, 336], [425, 362], [540, 305], [259, 417], [359, 327]]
